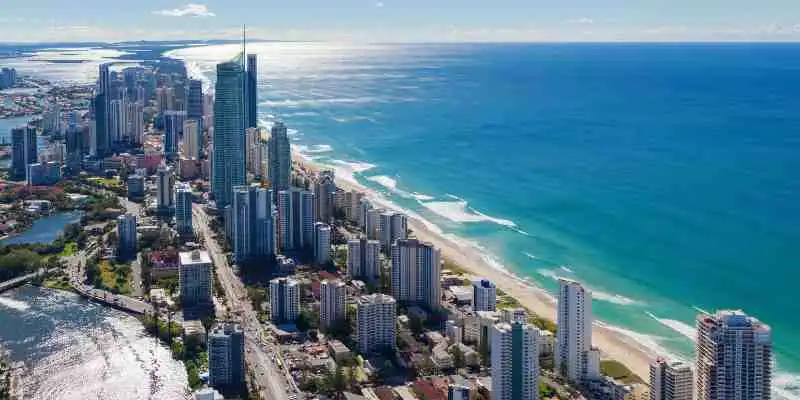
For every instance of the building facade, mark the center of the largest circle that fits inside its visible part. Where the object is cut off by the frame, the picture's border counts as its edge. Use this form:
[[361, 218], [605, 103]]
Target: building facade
[[164, 184], [251, 94], [332, 302], [194, 278], [484, 295], [515, 361], [279, 158], [324, 188], [734, 357], [415, 273], [226, 355], [670, 380], [228, 166], [253, 223], [126, 233], [183, 208], [376, 316], [322, 243], [574, 340], [284, 300], [391, 227], [296, 219], [363, 259], [23, 150]]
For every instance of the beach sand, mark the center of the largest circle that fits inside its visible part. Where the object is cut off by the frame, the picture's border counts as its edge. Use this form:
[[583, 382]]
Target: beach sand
[[612, 344]]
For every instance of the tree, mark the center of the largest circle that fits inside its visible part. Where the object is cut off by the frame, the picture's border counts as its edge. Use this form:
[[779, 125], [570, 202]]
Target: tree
[[483, 350], [458, 357], [415, 324]]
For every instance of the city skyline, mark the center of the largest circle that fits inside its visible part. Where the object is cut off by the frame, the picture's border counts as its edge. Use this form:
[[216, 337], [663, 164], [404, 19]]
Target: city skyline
[[414, 21]]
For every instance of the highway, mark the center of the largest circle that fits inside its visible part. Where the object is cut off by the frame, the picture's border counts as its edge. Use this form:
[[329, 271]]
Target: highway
[[258, 349]]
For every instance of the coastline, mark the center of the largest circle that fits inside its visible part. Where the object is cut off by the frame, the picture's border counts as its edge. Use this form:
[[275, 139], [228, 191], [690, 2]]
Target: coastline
[[612, 344]]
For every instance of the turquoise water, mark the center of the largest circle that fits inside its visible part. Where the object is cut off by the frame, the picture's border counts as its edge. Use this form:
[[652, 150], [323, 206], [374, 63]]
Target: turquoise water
[[45, 229], [662, 176]]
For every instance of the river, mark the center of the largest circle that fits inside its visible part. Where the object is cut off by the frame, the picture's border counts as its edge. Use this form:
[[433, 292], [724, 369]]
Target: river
[[74, 349], [45, 229]]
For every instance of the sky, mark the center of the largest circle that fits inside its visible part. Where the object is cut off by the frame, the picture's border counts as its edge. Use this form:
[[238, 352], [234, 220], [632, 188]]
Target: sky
[[401, 20]]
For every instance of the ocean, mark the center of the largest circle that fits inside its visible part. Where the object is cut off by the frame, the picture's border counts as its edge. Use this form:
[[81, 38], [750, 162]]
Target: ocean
[[660, 175]]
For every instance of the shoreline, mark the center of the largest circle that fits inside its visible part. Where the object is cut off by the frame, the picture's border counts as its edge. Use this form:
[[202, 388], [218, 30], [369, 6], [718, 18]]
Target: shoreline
[[612, 344]]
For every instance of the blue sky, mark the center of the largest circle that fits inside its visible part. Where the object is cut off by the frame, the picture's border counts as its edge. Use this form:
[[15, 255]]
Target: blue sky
[[402, 20]]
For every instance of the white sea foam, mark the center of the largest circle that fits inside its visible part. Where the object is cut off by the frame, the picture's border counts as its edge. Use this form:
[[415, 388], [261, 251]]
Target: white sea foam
[[348, 170], [786, 386], [388, 182], [529, 255], [548, 273], [314, 149], [14, 304], [600, 295], [677, 326], [459, 211], [293, 103], [566, 269], [649, 342], [344, 120]]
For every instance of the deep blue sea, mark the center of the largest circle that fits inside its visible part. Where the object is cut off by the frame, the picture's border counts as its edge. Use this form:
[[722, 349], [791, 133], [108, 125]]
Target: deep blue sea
[[664, 176]]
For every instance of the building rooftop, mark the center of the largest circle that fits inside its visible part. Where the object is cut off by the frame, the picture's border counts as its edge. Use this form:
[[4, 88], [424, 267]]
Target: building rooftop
[[224, 329], [376, 299], [194, 257]]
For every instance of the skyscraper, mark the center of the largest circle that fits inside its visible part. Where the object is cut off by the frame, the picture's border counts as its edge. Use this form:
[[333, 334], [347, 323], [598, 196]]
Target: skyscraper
[[253, 223], [296, 219], [229, 136], [183, 208], [391, 226], [164, 187], [284, 300], [135, 124], [252, 92], [100, 137], [324, 187], [226, 355], [173, 127], [734, 357], [376, 319], [457, 392], [116, 120], [279, 158], [515, 361], [415, 273], [332, 302], [194, 100], [322, 243], [194, 279], [363, 259], [670, 380], [191, 139], [484, 295], [575, 357], [126, 234], [23, 149]]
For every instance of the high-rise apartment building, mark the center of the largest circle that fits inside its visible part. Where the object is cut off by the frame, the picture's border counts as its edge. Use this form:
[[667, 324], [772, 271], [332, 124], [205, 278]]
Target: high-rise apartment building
[[279, 158], [126, 234], [194, 101], [391, 226], [164, 184], [324, 186], [296, 219], [376, 317], [173, 127], [332, 302], [226, 355], [183, 208], [251, 92], [515, 361], [194, 279], [135, 124], [575, 357], [192, 140], [670, 380], [363, 259], [484, 295], [23, 149], [734, 357], [322, 243], [253, 223], [457, 392], [284, 300], [415, 273], [228, 167]]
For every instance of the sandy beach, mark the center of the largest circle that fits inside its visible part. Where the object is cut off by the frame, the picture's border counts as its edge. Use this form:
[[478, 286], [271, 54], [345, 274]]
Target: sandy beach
[[613, 344]]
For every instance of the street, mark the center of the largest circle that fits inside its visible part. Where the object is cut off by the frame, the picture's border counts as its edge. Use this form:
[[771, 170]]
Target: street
[[258, 350]]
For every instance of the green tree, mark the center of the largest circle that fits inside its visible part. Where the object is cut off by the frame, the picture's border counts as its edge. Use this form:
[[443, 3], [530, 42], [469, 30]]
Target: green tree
[[458, 357]]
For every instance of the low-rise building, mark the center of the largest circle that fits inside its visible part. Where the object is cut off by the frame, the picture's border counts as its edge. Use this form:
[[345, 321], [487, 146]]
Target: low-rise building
[[338, 350]]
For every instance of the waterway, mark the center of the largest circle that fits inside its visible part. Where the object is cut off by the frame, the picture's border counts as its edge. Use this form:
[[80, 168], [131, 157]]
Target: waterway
[[74, 349], [45, 229]]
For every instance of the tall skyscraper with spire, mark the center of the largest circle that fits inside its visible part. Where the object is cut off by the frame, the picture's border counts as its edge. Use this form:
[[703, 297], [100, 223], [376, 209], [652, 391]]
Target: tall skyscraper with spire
[[228, 169], [251, 94]]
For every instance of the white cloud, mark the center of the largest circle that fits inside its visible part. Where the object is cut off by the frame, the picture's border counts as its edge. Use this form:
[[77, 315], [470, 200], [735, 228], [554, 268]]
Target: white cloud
[[379, 4], [582, 20], [189, 10]]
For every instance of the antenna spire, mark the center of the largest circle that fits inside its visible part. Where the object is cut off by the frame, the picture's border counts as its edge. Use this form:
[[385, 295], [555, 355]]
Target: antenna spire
[[244, 43]]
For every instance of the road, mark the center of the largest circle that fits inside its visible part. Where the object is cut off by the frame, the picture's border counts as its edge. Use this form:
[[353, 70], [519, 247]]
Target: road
[[258, 349]]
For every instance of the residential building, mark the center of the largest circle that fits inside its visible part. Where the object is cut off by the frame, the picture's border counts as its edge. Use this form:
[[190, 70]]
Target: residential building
[[118, 109], [322, 243], [43, 174], [183, 208], [284, 300], [228, 166], [192, 140], [296, 219], [372, 223], [135, 123], [135, 187], [484, 295], [194, 279], [376, 316], [415, 273], [279, 158], [173, 128], [126, 234], [453, 332], [164, 190], [23, 150], [251, 92], [391, 226], [573, 357], [332, 302], [478, 327], [734, 357], [363, 259], [194, 103], [457, 392], [253, 223], [226, 355], [515, 361], [670, 380], [324, 186]]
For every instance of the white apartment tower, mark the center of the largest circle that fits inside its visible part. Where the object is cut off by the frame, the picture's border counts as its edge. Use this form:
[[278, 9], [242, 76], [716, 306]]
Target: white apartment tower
[[515, 361], [670, 380], [415, 273], [484, 295], [183, 208], [734, 357], [191, 139], [391, 226], [574, 341], [284, 300], [296, 219], [376, 316], [194, 279], [363, 259], [332, 302], [322, 243], [164, 187]]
